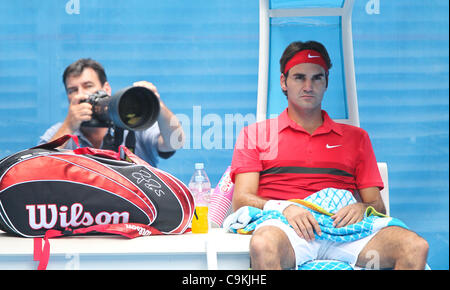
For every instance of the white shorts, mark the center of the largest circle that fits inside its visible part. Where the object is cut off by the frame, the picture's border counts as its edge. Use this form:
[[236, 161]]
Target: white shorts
[[320, 249]]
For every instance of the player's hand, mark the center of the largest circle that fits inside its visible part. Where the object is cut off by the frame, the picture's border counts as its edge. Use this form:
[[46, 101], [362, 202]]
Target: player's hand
[[349, 214], [149, 86], [302, 221]]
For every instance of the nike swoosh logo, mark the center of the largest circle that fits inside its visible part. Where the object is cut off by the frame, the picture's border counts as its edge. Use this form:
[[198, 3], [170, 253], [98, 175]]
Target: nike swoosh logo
[[332, 146], [313, 56]]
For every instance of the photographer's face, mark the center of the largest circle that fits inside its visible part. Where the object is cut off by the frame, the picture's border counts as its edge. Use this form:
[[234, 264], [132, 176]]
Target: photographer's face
[[85, 84]]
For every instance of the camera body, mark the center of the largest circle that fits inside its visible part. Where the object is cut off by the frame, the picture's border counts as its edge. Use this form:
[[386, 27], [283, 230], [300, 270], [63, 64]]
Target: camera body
[[132, 108], [99, 110]]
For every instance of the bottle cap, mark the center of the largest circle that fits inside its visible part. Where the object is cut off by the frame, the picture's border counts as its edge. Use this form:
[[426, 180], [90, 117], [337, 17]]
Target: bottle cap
[[199, 166]]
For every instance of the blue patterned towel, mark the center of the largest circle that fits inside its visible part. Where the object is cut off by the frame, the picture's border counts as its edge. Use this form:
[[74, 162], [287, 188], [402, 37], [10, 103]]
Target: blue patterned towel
[[325, 265], [329, 200]]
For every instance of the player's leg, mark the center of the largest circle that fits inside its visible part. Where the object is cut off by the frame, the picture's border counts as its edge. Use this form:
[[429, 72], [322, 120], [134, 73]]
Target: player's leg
[[275, 245], [396, 248], [270, 249]]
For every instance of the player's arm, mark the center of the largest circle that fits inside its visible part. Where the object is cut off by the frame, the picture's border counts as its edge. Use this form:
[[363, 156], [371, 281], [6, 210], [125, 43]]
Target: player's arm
[[245, 194], [245, 191], [371, 197]]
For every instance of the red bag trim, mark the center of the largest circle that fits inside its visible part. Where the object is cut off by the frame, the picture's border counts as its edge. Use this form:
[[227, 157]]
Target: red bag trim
[[128, 230]]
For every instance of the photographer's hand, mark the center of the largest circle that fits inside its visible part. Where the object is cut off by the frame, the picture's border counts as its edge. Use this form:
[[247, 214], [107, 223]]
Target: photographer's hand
[[78, 112], [149, 86], [172, 135]]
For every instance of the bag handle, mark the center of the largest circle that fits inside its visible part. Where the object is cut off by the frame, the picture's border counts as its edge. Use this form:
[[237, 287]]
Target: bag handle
[[129, 230], [58, 142], [126, 154], [79, 150], [97, 152]]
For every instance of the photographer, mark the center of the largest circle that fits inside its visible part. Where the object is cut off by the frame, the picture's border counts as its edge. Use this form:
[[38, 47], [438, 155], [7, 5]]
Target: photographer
[[85, 77]]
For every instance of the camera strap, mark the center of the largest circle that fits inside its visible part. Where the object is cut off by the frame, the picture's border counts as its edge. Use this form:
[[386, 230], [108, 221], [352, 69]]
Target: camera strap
[[130, 141], [113, 142]]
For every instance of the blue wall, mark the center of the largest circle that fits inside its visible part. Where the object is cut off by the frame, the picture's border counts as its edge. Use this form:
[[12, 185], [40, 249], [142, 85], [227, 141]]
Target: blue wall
[[204, 53], [402, 75]]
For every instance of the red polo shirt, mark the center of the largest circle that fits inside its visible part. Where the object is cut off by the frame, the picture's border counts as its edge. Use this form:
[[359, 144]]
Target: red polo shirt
[[294, 164]]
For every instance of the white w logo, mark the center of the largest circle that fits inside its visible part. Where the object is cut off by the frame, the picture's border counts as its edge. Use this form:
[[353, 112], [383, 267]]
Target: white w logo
[[42, 216]]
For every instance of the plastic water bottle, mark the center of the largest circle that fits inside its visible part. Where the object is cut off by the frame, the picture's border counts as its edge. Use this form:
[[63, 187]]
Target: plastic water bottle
[[200, 187]]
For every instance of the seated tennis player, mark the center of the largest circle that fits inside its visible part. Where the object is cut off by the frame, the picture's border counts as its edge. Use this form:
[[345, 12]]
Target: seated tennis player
[[300, 153]]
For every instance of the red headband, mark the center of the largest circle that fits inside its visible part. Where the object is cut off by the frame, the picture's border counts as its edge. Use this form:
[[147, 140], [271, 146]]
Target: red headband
[[306, 56]]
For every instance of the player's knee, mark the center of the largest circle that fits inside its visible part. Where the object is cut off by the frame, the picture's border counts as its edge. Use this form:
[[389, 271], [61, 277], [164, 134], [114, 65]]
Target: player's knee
[[418, 246], [270, 249], [263, 251], [261, 244], [415, 249]]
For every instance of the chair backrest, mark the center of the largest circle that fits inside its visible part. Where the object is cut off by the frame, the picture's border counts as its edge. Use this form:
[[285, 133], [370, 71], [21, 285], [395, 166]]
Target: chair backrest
[[327, 21]]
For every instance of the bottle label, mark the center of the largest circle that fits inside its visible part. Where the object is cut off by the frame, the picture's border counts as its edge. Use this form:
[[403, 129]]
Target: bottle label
[[200, 220]]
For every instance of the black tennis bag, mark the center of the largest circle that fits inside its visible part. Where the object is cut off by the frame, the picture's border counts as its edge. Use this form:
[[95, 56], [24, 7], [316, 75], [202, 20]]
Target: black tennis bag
[[89, 190]]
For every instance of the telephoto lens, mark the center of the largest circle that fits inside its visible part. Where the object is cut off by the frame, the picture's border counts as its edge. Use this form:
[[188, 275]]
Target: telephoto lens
[[132, 108]]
